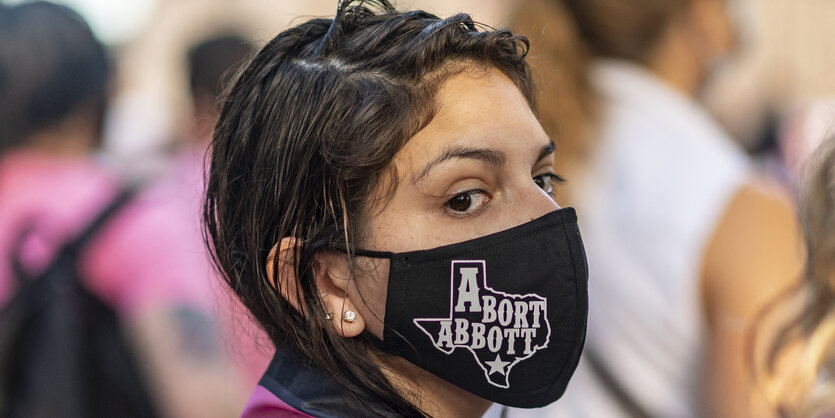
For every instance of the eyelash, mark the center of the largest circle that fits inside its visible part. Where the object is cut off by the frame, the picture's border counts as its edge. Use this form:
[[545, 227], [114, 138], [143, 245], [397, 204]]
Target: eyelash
[[551, 178]]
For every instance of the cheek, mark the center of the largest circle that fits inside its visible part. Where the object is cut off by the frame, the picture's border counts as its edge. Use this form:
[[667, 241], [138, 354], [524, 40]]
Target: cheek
[[405, 227], [368, 292]]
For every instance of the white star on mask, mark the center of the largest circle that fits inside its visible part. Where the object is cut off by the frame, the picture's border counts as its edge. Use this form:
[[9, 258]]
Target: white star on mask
[[497, 365]]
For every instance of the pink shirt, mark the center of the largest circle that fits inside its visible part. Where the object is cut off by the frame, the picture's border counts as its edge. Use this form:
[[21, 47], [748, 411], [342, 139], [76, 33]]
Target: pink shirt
[[246, 344], [264, 404], [150, 256], [137, 262]]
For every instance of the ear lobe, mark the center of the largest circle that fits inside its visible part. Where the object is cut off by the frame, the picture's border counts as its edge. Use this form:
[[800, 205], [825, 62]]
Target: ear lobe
[[333, 277], [346, 320]]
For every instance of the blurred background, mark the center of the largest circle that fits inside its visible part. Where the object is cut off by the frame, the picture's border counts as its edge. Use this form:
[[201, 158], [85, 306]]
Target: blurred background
[[781, 80], [774, 96], [150, 38]]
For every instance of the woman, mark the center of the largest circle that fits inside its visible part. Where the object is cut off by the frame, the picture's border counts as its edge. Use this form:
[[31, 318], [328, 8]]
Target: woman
[[800, 364], [381, 198], [695, 244]]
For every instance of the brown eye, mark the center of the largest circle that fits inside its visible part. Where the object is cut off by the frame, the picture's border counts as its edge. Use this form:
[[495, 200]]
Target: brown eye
[[460, 203], [547, 181], [467, 203], [544, 183]]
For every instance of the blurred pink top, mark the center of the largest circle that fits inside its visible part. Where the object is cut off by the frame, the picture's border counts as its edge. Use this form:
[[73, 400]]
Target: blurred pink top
[[246, 343], [135, 263], [150, 256], [264, 404]]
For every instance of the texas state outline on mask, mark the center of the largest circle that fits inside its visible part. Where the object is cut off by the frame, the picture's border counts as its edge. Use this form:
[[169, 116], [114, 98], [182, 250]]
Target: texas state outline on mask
[[500, 329]]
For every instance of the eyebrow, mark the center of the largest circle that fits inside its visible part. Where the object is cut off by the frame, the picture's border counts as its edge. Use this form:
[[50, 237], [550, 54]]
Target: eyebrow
[[490, 156], [455, 152], [546, 150]]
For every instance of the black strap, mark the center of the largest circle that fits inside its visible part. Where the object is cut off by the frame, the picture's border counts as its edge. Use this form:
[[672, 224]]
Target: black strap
[[73, 247], [18, 272], [627, 404], [373, 254], [327, 245]]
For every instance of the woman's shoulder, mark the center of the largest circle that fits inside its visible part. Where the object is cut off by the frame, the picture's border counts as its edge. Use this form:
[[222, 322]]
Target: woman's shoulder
[[642, 109]]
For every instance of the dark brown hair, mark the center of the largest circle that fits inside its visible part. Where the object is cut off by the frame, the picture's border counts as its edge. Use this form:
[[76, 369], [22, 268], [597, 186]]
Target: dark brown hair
[[212, 62], [305, 136]]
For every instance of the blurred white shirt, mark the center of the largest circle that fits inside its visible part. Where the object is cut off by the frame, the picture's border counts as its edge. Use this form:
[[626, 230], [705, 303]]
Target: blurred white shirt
[[661, 179]]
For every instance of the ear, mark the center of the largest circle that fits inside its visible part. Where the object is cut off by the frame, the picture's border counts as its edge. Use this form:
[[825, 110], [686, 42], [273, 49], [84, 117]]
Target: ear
[[333, 278]]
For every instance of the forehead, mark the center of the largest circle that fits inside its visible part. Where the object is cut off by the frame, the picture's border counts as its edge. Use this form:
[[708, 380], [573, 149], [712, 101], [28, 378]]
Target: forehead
[[478, 94], [479, 108]]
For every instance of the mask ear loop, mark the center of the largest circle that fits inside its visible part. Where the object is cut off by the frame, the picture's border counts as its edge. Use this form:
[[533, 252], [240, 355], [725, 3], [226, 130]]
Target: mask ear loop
[[368, 336], [373, 254], [362, 253]]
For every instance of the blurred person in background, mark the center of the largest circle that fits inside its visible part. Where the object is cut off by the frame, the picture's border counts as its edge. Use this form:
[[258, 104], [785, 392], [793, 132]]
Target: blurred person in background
[[54, 78], [559, 63], [799, 368], [686, 242], [801, 132], [212, 63]]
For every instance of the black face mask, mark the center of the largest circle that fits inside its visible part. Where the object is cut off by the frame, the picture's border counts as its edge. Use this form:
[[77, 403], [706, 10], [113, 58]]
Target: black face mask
[[502, 316]]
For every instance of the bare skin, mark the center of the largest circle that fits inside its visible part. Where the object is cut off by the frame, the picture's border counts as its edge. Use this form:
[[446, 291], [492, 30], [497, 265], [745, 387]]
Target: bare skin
[[499, 177], [694, 40], [74, 136], [755, 251]]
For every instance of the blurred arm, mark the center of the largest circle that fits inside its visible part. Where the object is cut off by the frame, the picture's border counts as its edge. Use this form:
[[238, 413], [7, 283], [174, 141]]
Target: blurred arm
[[154, 268], [755, 254], [184, 359]]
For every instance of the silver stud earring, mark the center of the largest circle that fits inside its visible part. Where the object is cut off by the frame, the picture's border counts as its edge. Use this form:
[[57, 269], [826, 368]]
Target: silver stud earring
[[349, 316], [328, 315]]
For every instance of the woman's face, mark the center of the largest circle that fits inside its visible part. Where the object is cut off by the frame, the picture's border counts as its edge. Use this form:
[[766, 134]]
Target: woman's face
[[482, 165]]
